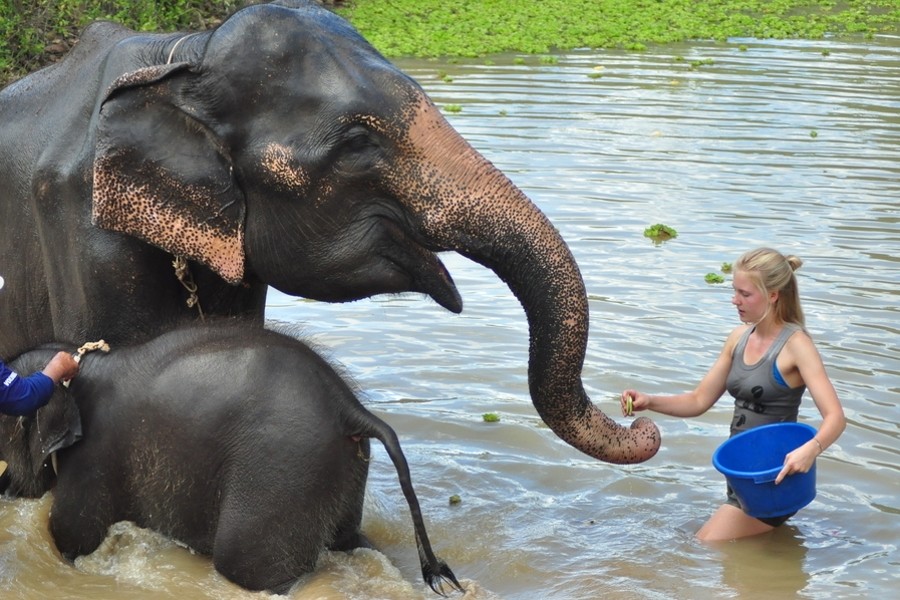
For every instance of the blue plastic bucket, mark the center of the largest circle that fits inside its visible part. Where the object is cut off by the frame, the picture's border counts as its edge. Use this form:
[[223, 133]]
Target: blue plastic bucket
[[752, 459]]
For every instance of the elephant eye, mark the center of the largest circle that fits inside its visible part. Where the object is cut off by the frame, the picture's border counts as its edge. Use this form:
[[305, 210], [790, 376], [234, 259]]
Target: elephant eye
[[360, 151], [359, 139]]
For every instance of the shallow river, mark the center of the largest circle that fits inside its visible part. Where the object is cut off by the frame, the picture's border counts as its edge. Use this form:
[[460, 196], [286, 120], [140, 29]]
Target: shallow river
[[790, 144]]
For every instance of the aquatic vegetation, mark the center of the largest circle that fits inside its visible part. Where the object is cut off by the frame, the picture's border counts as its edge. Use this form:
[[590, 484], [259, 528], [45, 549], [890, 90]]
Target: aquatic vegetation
[[453, 108], [473, 28], [33, 34], [490, 417], [715, 277], [455, 499], [660, 232], [705, 62]]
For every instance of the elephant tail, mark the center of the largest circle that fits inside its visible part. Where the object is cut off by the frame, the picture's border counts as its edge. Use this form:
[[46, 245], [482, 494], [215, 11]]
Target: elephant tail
[[434, 570]]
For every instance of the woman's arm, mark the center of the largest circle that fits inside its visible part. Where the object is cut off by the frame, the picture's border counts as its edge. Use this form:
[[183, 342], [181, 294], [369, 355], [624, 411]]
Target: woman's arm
[[803, 353], [697, 401]]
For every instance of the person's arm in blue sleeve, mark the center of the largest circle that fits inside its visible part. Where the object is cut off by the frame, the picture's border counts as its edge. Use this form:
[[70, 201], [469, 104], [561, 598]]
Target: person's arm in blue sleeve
[[24, 395]]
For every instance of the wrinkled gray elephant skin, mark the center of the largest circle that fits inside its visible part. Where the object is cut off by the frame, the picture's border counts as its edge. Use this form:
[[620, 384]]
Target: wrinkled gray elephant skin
[[278, 149], [238, 441]]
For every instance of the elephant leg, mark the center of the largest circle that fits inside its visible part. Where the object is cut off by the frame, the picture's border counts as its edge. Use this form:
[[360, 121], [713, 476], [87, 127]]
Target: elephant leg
[[347, 535], [266, 538], [350, 541], [264, 549]]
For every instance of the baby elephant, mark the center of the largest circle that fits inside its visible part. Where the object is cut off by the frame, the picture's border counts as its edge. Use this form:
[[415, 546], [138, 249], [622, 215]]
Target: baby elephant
[[240, 442]]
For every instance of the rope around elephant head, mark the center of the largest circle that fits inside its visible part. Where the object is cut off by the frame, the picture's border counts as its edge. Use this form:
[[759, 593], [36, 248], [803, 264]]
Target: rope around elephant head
[[187, 280], [84, 349], [178, 43], [90, 347]]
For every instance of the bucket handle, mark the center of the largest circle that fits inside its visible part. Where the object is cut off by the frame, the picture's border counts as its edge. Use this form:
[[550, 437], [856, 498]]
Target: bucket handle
[[767, 477]]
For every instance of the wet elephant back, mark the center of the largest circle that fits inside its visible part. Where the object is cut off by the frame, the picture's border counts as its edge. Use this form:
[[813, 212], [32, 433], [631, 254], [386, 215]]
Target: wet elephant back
[[219, 420]]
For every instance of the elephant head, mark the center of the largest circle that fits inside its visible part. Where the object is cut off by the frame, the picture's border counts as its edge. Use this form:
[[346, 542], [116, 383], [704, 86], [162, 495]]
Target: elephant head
[[281, 146], [27, 442]]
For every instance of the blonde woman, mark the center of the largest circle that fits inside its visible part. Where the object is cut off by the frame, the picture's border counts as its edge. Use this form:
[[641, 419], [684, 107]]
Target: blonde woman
[[766, 365]]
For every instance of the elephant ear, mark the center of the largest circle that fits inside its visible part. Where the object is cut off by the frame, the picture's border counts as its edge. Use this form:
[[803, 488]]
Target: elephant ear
[[160, 174], [57, 426]]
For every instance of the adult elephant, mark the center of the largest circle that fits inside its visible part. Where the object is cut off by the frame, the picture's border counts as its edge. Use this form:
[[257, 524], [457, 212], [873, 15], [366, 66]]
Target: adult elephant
[[278, 149]]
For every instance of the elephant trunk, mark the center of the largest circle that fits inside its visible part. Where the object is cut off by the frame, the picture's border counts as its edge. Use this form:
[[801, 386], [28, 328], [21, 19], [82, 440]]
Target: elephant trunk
[[500, 228]]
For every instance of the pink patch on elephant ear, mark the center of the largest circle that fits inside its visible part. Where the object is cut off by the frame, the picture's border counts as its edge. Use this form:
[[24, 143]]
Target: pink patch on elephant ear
[[161, 175], [186, 220]]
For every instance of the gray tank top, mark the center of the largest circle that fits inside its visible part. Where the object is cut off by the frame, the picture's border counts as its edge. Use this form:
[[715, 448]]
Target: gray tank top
[[760, 393]]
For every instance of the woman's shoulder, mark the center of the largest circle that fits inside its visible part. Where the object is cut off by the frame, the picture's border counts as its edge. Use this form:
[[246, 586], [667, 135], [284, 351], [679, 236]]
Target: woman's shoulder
[[739, 331], [734, 337], [799, 350], [799, 340]]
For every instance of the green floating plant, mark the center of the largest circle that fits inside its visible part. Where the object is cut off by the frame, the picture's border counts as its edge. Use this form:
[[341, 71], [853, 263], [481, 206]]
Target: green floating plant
[[726, 267], [455, 499], [490, 417], [696, 64], [437, 28], [660, 232], [714, 278], [453, 108]]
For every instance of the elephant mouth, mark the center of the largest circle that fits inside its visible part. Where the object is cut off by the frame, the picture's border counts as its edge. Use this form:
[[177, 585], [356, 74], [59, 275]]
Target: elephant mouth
[[428, 275], [444, 291]]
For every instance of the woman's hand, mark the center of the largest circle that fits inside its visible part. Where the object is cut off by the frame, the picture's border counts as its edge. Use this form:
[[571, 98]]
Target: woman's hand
[[633, 401], [799, 460]]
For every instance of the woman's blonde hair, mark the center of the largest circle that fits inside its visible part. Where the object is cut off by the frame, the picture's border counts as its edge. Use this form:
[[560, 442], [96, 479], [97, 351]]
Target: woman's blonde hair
[[771, 271]]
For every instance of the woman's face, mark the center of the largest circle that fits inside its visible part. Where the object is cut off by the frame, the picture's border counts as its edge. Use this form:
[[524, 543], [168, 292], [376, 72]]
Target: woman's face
[[751, 303]]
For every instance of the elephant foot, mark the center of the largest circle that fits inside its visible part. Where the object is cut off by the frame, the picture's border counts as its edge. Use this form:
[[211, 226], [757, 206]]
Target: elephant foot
[[351, 542]]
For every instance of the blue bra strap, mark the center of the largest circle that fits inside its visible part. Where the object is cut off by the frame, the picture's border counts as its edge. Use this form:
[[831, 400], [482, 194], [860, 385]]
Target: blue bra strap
[[777, 374]]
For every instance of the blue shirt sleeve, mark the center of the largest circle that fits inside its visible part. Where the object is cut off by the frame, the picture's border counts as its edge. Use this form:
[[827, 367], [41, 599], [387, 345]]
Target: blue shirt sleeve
[[23, 395]]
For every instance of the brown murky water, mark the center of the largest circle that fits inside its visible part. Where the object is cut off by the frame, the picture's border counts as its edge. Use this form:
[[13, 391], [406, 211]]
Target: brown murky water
[[776, 144]]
